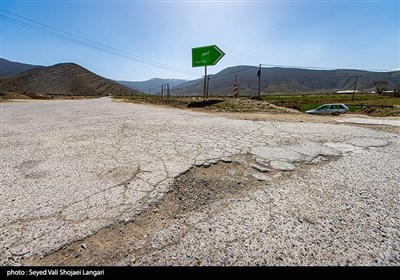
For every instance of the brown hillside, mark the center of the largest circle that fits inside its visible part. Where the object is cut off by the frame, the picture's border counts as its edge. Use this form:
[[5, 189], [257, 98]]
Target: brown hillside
[[66, 79]]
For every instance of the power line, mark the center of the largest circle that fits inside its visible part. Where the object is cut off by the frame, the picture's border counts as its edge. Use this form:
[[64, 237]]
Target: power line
[[89, 43], [46, 31], [40, 27]]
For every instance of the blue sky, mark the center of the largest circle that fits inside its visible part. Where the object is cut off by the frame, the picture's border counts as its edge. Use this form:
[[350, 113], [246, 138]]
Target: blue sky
[[327, 34]]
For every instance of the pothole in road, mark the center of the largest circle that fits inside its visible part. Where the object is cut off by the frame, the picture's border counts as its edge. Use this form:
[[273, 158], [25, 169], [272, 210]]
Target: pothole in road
[[196, 189]]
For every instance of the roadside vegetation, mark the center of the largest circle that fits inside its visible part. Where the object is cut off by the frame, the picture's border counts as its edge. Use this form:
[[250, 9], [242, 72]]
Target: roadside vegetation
[[214, 103], [370, 104]]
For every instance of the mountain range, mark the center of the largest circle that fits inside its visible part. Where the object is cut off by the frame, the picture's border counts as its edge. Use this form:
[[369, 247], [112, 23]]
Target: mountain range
[[72, 79], [10, 68], [152, 86], [67, 79], [285, 80]]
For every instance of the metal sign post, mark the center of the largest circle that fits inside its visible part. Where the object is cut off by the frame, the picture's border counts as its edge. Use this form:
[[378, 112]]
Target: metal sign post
[[204, 56], [205, 88]]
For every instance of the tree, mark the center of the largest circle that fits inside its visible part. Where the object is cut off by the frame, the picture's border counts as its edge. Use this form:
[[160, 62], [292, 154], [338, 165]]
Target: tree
[[380, 86]]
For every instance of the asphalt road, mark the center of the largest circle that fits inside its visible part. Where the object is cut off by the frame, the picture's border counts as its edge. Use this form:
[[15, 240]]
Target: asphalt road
[[328, 193]]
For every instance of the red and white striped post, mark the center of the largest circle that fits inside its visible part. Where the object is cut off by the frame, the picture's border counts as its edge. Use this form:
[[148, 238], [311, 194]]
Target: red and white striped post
[[235, 88]]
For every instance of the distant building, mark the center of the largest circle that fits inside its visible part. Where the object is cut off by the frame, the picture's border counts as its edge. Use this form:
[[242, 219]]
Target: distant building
[[347, 91]]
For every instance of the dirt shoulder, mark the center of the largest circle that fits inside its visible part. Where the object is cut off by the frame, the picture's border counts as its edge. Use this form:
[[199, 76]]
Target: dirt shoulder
[[244, 109], [254, 110]]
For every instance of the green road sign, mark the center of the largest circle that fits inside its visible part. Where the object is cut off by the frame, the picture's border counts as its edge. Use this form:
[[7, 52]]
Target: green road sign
[[208, 55]]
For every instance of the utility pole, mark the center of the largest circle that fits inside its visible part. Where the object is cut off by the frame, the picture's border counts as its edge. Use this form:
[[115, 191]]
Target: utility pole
[[168, 90], [355, 85], [259, 80]]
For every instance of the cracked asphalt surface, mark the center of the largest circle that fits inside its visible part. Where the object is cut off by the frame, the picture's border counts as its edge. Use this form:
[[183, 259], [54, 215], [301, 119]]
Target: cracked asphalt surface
[[321, 193]]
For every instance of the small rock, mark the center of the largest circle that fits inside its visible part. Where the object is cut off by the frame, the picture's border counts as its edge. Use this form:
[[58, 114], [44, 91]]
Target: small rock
[[282, 165], [83, 246], [261, 162], [261, 177], [259, 168]]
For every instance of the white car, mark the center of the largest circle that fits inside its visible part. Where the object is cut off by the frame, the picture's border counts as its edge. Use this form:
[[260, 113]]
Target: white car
[[329, 109]]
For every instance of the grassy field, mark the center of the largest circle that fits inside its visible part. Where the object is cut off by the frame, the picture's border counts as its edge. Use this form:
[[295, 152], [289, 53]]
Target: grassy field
[[303, 103]]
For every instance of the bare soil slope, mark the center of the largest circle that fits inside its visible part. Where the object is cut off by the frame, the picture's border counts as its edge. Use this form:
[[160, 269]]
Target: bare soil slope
[[66, 79]]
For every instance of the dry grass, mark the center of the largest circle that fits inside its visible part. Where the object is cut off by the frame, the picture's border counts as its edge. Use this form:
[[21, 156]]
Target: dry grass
[[214, 104]]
